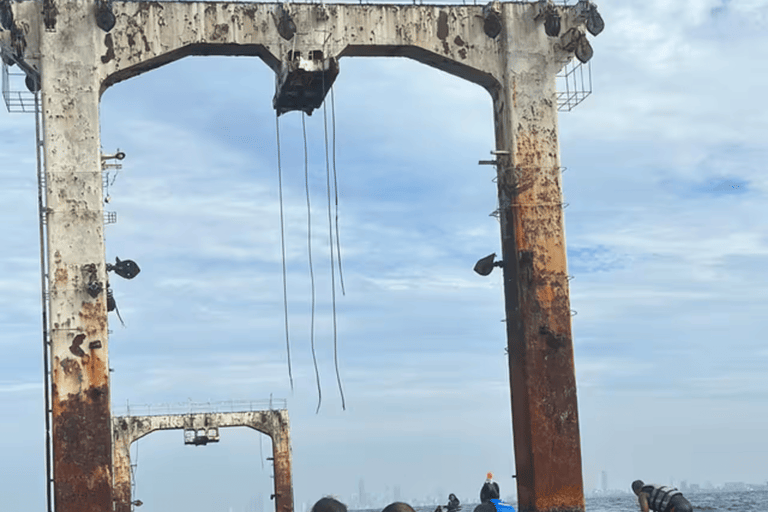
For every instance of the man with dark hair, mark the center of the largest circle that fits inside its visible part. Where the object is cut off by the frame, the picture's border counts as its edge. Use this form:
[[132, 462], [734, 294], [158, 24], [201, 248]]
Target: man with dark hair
[[660, 498], [329, 504], [398, 506]]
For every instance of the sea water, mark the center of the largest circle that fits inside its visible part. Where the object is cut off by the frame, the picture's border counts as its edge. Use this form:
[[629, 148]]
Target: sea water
[[741, 501]]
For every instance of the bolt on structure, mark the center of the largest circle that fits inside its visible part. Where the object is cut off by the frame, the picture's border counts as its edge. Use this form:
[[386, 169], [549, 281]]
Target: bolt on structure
[[274, 423], [75, 49]]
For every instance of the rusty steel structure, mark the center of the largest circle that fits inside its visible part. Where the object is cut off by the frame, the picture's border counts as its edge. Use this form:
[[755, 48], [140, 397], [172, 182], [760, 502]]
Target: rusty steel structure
[[73, 50], [273, 423]]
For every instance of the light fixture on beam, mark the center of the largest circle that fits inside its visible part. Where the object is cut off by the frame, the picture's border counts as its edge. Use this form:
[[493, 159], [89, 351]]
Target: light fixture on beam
[[548, 12], [127, 269], [594, 23], [586, 12], [492, 15], [484, 266], [552, 23], [6, 14], [286, 27], [105, 18], [576, 41]]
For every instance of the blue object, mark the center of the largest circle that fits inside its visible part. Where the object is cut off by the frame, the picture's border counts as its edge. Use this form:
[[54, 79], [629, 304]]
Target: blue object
[[502, 507]]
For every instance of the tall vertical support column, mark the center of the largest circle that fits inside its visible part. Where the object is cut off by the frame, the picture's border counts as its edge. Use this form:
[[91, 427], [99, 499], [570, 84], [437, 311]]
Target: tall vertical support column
[[121, 465], [80, 398], [538, 314], [281, 453]]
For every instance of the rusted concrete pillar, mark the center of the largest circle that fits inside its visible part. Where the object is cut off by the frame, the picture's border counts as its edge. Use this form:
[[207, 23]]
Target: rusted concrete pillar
[[121, 466], [538, 314], [281, 453], [82, 441]]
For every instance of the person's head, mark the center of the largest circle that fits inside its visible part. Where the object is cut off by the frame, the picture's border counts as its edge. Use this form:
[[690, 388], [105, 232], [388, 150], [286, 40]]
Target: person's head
[[398, 506], [489, 491], [637, 485], [329, 504], [452, 497]]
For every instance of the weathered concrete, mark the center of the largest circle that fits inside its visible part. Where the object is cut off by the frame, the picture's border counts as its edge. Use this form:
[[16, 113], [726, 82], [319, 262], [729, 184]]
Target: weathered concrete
[[503, 47], [274, 423]]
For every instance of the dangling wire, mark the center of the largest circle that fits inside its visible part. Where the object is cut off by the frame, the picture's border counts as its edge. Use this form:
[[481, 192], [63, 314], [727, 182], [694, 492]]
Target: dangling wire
[[282, 247], [330, 245], [336, 190], [309, 252]]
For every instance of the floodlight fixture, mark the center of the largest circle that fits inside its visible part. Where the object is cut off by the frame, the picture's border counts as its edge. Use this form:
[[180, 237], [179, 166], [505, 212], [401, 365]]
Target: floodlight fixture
[[484, 266], [552, 23], [286, 27], [6, 14], [105, 17], [492, 15], [127, 269], [594, 22]]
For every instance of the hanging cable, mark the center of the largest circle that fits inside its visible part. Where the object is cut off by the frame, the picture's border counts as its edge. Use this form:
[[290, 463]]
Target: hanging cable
[[336, 190], [330, 246], [309, 252], [282, 248]]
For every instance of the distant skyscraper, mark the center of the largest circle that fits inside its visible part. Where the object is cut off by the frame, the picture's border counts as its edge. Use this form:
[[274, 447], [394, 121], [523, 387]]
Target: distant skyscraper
[[604, 481], [362, 497]]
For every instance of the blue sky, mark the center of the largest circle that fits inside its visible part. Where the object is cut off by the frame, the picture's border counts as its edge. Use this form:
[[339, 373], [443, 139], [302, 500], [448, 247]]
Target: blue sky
[[667, 243]]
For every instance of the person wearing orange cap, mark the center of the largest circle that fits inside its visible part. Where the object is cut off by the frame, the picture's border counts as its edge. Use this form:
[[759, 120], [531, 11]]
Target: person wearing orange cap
[[488, 492], [490, 489]]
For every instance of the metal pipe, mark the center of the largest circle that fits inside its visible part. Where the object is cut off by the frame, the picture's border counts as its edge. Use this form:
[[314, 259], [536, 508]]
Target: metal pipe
[[43, 288]]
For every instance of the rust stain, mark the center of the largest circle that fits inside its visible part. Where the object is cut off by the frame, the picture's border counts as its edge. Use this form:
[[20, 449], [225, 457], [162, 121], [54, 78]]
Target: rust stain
[[110, 54], [283, 487], [60, 276], [75, 346], [547, 441], [442, 25], [70, 367], [220, 31], [82, 459], [94, 317]]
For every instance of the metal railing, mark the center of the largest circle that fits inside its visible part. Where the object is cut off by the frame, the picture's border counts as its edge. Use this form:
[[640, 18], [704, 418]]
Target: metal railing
[[190, 407]]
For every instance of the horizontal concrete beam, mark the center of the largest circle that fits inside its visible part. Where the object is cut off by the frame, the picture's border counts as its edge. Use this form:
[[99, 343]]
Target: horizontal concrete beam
[[273, 423]]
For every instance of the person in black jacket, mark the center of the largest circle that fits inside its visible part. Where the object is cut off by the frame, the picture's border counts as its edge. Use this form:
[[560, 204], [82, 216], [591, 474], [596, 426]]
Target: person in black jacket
[[660, 498], [489, 491]]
